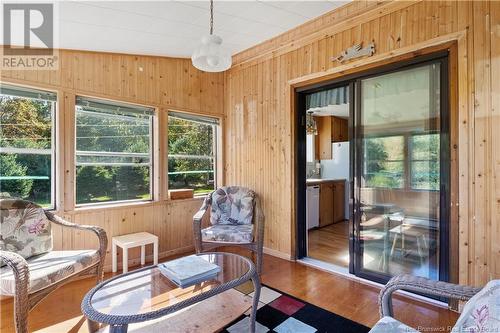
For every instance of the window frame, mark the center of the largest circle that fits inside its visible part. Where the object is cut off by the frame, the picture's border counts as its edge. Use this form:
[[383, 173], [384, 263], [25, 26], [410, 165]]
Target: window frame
[[216, 148], [54, 140], [152, 165]]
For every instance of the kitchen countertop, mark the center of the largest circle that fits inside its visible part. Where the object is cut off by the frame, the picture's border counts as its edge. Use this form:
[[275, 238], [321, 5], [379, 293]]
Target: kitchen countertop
[[316, 181]]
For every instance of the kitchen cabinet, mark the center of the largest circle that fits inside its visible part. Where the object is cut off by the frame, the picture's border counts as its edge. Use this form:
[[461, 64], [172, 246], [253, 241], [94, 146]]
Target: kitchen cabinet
[[326, 209], [331, 202], [340, 130], [330, 129], [338, 201], [324, 137]]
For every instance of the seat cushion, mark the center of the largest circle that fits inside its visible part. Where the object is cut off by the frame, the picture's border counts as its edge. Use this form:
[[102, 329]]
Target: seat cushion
[[49, 268], [242, 233], [232, 205], [391, 325], [482, 312], [24, 228]]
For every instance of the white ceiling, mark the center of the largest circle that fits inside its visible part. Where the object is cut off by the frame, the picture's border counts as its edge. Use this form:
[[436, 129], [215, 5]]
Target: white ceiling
[[174, 28]]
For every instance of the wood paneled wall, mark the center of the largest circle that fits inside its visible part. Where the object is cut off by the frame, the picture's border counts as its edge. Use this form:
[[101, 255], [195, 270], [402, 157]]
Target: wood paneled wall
[[162, 83], [259, 122]]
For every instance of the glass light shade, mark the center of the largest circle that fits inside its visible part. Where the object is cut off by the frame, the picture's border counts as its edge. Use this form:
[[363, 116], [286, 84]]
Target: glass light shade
[[210, 56], [311, 126]]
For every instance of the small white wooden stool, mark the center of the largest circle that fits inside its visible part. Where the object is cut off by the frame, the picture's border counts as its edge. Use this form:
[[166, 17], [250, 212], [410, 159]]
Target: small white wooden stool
[[133, 240]]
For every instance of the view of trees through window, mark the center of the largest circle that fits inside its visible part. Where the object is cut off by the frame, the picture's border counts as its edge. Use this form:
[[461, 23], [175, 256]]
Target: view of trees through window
[[26, 146], [386, 165], [191, 158], [424, 166], [113, 153], [385, 161]]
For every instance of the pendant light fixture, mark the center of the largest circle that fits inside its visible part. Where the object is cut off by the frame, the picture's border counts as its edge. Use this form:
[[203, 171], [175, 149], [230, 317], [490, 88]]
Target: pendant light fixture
[[311, 126], [210, 56]]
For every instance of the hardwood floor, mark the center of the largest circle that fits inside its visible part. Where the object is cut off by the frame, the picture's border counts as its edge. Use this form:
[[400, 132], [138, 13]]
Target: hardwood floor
[[60, 311], [330, 244]]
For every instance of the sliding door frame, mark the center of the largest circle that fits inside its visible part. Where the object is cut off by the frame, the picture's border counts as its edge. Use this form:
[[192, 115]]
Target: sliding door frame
[[300, 174], [444, 165]]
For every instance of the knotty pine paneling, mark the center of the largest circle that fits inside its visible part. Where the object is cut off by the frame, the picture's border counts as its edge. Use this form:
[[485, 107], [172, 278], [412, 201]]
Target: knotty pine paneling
[[260, 124], [155, 81], [163, 83]]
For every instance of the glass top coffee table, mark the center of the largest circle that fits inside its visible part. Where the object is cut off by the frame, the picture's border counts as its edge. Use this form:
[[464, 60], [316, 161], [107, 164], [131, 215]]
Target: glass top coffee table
[[146, 294]]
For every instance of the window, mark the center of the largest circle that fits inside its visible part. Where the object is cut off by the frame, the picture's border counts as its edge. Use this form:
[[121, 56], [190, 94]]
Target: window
[[192, 151], [424, 164], [27, 144], [386, 165], [113, 151], [385, 162]]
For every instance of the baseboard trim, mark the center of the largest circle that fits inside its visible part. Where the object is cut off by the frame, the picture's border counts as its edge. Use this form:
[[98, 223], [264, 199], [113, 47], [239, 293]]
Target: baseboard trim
[[279, 254], [345, 273]]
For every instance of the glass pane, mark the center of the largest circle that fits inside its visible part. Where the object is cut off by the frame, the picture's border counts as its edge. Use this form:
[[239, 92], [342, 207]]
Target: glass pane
[[102, 183], [148, 289], [425, 175], [384, 162], [399, 180], [26, 146], [191, 159], [113, 156], [425, 147]]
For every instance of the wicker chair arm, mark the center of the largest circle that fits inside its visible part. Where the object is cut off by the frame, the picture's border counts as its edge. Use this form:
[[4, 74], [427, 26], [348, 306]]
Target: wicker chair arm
[[198, 217], [421, 285], [20, 269], [100, 232], [197, 220]]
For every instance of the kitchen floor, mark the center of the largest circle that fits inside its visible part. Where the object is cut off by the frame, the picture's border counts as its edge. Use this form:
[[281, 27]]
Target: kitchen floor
[[330, 244]]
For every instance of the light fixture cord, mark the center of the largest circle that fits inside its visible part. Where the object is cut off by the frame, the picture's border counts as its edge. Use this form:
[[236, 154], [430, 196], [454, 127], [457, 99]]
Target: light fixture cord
[[211, 17]]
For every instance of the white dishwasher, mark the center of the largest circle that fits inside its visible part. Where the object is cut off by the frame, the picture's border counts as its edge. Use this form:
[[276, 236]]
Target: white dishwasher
[[312, 206]]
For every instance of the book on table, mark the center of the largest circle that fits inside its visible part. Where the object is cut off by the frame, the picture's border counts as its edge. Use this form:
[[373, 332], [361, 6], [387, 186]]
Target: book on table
[[189, 270]]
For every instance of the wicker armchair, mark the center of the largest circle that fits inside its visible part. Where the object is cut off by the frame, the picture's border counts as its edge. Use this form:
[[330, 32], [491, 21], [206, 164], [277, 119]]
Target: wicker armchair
[[250, 236], [32, 279], [416, 284]]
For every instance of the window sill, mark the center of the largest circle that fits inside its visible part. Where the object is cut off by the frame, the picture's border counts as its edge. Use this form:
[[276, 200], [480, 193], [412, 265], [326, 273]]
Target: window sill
[[133, 204], [195, 198], [116, 205]]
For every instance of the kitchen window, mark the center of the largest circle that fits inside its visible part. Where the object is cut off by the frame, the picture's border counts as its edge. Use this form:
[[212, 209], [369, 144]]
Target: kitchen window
[[386, 167], [424, 163], [385, 161], [192, 152], [113, 151], [27, 122]]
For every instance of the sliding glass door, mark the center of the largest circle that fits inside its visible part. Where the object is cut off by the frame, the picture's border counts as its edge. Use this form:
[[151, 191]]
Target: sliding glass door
[[401, 173]]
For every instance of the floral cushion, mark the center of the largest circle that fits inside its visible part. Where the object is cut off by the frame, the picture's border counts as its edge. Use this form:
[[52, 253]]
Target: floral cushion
[[49, 268], [24, 228], [232, 205], [482, 312], [242, 233], [391, 325]]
